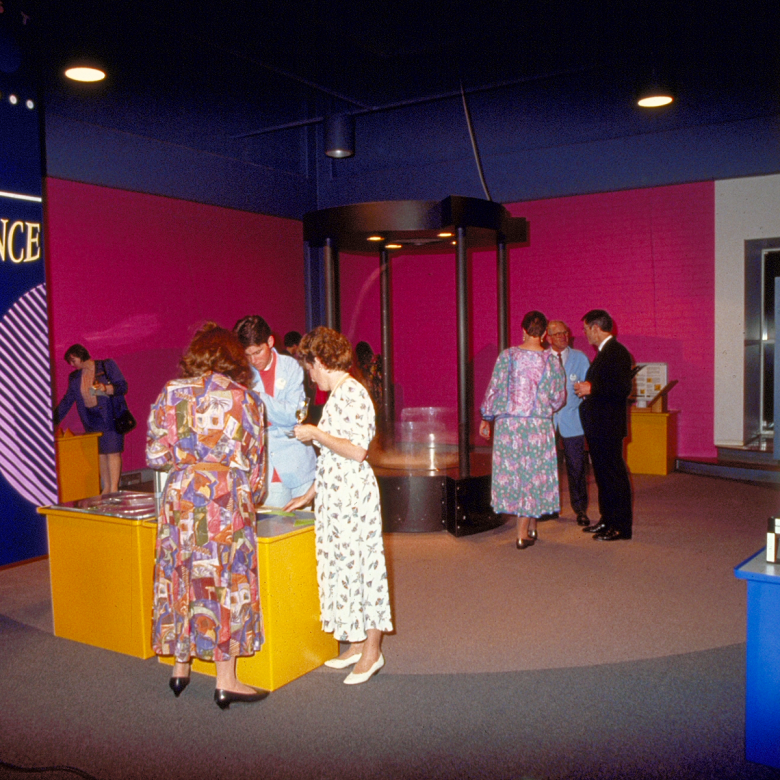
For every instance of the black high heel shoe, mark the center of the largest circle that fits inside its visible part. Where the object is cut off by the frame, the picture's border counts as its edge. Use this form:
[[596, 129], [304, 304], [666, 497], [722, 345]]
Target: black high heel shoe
[[523, 543], [225, 698], [533, 535], [178, 684]]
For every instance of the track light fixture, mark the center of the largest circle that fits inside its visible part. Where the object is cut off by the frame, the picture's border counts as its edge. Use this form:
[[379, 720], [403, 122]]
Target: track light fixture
[[340, 135]]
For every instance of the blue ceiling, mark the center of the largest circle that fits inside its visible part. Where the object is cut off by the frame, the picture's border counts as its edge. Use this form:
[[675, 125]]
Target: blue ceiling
[[185, 70], [217, 77]]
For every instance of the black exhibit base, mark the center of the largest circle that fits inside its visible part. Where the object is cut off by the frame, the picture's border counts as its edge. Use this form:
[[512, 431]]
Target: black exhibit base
[[426, 501]]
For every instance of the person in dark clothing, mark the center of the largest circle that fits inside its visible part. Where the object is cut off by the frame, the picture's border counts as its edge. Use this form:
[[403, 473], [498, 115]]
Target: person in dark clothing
[[98, 389], [603, 413]]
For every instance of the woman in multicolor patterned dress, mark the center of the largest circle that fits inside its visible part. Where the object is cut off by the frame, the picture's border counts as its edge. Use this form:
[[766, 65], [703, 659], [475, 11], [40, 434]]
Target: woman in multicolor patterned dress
[[354, 596], [527, 386], [207, 430]]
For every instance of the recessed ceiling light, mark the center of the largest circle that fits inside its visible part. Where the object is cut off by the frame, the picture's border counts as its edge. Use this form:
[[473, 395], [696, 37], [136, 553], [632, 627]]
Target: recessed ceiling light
[[655, 101], [85, 74], [445, 235], [392, 246], [376, 238]]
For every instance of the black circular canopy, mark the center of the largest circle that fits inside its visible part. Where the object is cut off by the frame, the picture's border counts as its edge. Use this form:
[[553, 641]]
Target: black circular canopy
[[413, 223]]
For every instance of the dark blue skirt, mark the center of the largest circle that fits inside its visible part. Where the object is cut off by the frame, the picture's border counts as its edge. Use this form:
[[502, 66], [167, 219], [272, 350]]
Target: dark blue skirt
[[101, 419]]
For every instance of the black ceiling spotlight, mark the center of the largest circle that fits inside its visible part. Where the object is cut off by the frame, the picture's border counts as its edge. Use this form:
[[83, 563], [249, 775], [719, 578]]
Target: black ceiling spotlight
[[340, 135]]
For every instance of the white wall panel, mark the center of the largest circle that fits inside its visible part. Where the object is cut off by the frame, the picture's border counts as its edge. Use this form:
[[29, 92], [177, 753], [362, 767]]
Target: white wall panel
[[745, 209]]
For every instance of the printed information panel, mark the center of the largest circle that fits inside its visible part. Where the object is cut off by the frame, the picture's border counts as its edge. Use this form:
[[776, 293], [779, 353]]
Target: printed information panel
[[27, 462]]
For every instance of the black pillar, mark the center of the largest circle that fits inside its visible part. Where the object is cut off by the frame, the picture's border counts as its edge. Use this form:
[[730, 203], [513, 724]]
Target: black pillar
[[465, 383], [388, 401], [502, 281], [330, 259]]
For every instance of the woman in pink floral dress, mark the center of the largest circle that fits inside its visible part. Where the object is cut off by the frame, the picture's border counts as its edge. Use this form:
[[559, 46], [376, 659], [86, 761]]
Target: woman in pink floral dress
[[527, 386]]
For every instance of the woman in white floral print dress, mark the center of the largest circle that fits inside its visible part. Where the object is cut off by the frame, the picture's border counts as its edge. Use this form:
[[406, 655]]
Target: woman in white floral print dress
[[354, 596]]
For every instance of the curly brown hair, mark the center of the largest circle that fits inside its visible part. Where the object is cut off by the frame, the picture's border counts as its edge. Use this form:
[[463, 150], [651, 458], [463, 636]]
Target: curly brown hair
[[331, 347], [219, 350]]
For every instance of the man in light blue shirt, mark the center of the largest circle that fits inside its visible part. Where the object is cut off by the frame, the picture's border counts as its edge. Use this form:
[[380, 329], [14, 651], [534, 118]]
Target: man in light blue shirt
[[278, 380], [567, 419]]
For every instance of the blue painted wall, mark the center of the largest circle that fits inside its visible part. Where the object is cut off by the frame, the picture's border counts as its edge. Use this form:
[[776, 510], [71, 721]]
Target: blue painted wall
[[27, 469], [561, 136]]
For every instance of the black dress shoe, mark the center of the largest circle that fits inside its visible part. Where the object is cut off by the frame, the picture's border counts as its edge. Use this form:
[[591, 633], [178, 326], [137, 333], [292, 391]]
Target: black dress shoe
[[225, 698], [611, 536], [582, 519], [178, 684], [599, 528]]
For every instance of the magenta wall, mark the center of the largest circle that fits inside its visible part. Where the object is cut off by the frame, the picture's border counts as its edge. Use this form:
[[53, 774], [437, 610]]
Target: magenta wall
[[647, 256], [132, 276]]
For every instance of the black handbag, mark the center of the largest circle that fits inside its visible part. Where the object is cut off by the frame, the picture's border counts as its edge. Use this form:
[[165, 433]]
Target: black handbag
[[124, 422]]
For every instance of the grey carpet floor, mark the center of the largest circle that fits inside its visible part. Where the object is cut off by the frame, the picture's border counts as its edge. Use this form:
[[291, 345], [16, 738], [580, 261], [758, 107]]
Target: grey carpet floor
[[572, 659], [114, 717]]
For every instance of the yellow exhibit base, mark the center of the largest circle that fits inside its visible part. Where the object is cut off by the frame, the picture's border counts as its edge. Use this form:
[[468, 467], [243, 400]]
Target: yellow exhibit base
[[78, 470], [294, 640], [101, 577], [652, 446], [101, 557]]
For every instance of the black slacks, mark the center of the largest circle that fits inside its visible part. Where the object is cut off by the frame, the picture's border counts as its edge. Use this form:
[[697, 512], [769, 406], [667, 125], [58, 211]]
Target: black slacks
[[609, 469], [576, 470]]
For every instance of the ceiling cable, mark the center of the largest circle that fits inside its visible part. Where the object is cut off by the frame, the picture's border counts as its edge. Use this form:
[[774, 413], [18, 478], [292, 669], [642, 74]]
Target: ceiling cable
[[411, 101], [473, 138]]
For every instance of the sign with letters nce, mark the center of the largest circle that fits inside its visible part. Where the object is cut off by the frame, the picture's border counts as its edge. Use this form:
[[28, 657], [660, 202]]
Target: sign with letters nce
[[27, 462]]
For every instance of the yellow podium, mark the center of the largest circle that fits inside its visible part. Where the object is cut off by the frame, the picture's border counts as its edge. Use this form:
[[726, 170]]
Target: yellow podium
[[78, 469], [101, 559], [652, 446], [294, 640]]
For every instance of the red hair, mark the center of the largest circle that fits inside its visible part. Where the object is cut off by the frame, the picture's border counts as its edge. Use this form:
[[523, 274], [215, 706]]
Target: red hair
[[218, 350]]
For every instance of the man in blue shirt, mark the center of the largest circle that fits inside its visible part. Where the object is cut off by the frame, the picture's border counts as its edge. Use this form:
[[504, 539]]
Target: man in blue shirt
[[278, 380], [567, 419]]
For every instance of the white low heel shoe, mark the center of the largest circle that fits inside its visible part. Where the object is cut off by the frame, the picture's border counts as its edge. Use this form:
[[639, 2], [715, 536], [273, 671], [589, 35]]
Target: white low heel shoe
[[343, 663], [356, 679]]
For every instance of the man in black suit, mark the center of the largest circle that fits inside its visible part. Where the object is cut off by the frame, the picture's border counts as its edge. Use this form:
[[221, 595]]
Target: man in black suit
[[605, 392]]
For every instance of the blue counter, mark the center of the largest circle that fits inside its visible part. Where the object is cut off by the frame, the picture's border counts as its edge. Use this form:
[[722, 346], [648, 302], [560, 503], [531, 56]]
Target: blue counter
[[762, 696]]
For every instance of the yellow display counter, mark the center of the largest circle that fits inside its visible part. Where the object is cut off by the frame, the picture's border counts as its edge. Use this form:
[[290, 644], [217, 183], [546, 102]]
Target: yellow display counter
[[294, 640], [78, 469], [101, 560], [652, 446], [101, 557]]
